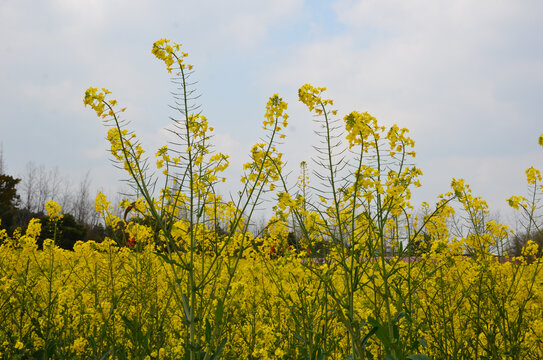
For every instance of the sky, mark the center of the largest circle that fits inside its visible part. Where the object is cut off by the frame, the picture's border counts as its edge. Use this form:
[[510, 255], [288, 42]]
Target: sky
[[466, 77]]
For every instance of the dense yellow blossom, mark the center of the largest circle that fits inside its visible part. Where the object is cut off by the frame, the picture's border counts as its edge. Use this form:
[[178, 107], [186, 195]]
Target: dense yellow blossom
[[343, 269], [53, 210], [265, 308], [533, 175]]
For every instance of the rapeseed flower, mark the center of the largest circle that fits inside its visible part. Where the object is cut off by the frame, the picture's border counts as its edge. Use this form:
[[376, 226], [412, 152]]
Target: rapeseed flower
[[53, 210]]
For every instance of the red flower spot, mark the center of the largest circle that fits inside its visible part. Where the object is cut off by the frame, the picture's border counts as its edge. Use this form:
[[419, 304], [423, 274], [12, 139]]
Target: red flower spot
[[131, 242]]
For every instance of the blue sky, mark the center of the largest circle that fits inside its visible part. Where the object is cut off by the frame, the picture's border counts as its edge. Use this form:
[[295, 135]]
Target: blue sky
[[465, 76]]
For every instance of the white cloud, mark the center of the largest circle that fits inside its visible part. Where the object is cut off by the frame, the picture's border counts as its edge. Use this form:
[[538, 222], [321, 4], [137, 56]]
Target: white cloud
[[249, 21], [60, 96], [88, 15], [96, 153], [464, 76], [460, 74], [494, 178]]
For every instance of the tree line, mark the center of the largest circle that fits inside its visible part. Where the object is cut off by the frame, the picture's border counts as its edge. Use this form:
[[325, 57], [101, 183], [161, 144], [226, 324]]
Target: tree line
[[22, 199]]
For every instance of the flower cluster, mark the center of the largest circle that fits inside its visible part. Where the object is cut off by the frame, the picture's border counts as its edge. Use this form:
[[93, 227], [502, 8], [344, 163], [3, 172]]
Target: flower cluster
[[124, 150], [360, 126], [97, 101], [53, 210], [515, 201], [104, 208], [344, 268], [533, 175], [266, 162], [101, 286], [275, 110], [311, 97], [168, 53]]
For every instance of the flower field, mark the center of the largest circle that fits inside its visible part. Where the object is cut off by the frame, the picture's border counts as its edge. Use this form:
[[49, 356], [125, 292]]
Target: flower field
[[346, 268], [104, 300]]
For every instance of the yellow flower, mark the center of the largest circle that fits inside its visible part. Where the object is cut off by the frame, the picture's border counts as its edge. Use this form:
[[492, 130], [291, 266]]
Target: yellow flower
[[34, 229], [311, 97], [167, 53], [140, 205], [279, 353], [275, 109], [48, 243], [101, 203], [458, 187], [53, 210], [530, 249], [533, 175], [514, 201], [97, 101], [79, 346]]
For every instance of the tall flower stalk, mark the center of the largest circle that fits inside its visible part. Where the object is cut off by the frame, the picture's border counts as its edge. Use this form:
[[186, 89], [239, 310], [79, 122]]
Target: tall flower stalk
[[200, 236]]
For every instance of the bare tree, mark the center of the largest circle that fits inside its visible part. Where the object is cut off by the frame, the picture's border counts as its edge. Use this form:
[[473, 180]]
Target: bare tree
[[82, 209], [28, 186], [40, 185], [43, 189], [55, 184], [65, 197]]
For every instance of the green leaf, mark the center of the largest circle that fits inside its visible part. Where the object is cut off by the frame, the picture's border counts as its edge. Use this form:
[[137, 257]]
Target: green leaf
[[400, 315], [219, 312], [37, 326], [219, 350], [368, 335], [208, 331], [319, 355], [423, 342], [168, 260], [395, 333], [381, 333], [186, 307], [418, 357]]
